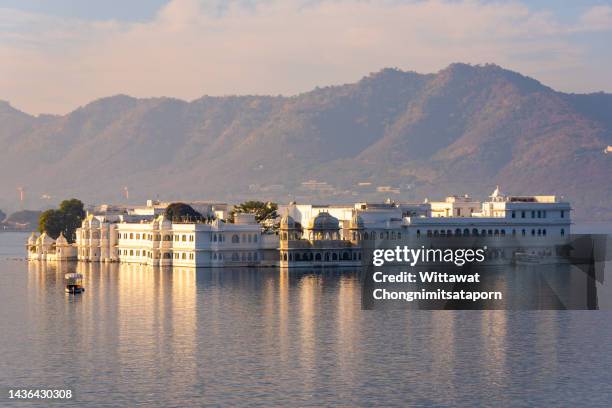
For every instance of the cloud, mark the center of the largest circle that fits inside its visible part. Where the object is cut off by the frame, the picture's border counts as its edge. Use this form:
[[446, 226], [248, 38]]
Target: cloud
[[597, 18], [192, 48]]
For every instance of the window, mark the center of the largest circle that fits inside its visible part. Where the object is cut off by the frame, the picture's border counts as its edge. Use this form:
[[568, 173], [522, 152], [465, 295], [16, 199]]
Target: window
[[562, 215], [562, 230], [532, 213], [191, 238], [190, 256], [131, 235], [255, 240], [533, 232], [522, 214], [184, 238], [523, 232], [235, 239], [513, 214], [183, 255], [214, 237]]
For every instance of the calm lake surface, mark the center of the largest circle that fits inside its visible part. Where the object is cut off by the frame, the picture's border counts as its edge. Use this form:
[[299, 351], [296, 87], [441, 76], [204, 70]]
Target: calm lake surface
[[185, 337]]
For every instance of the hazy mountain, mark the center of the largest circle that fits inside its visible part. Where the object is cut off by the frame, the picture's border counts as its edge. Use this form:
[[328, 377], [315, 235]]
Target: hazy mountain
[[463, 129]]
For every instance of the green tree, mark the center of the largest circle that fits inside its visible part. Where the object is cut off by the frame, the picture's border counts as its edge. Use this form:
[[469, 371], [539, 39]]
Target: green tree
[[181, 212], [73, 213], [2, 215], [51, 222], [263, 211], [66, 219]]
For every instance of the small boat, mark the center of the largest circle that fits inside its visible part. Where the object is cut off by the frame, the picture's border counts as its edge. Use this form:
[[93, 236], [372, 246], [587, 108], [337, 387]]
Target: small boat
[[74, 283]]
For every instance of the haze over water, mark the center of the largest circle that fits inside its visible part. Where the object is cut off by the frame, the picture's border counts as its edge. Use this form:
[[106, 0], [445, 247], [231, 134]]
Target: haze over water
[[186, 337]]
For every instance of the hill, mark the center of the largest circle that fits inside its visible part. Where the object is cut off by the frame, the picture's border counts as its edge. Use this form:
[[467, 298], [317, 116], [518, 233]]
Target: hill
[[463, 129]]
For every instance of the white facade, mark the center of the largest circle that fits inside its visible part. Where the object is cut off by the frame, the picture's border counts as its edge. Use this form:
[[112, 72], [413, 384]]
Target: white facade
[[162, 242], [540, 222]]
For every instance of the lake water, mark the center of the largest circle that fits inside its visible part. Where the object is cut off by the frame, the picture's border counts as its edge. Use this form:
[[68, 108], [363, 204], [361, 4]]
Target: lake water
[[184, 337]]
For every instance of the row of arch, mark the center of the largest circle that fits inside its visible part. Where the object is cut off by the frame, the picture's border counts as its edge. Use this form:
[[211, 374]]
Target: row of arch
[[334, 256]]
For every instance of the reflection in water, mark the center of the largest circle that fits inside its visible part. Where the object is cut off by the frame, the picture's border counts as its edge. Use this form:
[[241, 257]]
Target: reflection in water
[[185, 337]]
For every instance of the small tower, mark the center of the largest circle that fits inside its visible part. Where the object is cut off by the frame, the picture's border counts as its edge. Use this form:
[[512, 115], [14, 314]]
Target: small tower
[[356, 229]]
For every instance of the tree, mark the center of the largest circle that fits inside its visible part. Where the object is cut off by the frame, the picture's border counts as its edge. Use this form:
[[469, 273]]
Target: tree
[[2, 215], [66, 219], [177, 212], [51, 222], [263, 211], [72, 213]]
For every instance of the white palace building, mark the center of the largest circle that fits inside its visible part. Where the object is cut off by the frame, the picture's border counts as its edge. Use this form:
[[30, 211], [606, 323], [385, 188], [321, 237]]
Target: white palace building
[[315, 235]]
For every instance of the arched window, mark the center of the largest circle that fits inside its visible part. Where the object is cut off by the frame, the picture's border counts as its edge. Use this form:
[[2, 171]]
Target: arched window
[[365, 235], [466, 232], [298, 257], [562, 229], [318, 257], [334, 256], [236, 239], [235, 257], [346, 256], [458, 232], [474, 231], [399, 235]]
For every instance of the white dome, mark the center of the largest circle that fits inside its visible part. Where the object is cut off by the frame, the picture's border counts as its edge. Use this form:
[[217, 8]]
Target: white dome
[[44, 239], [61, 240], [324, 221]]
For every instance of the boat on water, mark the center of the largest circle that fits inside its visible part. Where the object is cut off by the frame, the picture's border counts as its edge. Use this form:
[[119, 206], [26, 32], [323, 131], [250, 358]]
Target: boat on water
[[74, 283]]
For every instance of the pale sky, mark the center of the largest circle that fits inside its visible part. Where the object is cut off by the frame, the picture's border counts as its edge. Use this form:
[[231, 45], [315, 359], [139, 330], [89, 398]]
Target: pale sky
[[56, 55]]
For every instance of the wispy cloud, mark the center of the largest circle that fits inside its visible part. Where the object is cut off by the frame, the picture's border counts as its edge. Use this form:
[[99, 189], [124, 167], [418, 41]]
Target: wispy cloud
[[195, 47]]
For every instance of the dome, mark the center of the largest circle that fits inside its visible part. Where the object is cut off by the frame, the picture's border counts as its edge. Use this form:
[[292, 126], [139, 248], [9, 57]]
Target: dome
[[356, 222], [32, 239], [324, 221], [61, 240], [44, 239], [287, 222]]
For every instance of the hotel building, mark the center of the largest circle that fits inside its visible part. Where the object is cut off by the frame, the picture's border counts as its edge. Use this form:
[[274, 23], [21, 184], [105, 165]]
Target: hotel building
[[312, 236]]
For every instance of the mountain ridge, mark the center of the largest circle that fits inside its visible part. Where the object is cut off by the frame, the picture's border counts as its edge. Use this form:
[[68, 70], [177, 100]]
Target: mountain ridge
[[463, 129]]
